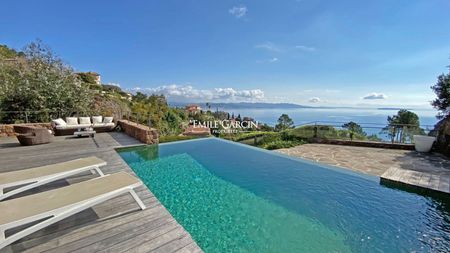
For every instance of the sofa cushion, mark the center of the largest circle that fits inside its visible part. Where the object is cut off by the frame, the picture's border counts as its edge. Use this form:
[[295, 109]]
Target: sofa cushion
[[108, 120], [73, 126], [85, 120], [110, 125], [97, 119], [72, 120], [59, 122]]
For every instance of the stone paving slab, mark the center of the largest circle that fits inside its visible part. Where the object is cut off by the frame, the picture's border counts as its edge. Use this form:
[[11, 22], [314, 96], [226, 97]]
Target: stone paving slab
[[427, 170]]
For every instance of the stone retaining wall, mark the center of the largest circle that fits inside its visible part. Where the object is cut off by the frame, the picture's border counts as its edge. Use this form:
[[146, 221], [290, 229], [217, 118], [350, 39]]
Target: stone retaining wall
[[8, 129], [142, 133], [370, 144]]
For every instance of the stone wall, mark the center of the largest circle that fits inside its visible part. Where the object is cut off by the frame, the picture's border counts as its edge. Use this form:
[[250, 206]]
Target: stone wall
[[370, 144], [442, 131], [8, 129], [142, 133]]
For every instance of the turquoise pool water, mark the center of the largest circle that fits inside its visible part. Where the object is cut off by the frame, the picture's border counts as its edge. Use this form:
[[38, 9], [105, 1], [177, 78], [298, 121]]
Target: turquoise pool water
[[235, 198]]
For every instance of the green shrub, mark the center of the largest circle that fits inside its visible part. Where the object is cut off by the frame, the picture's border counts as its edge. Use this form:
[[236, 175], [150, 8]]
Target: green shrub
[[277, 144], [171, 138]]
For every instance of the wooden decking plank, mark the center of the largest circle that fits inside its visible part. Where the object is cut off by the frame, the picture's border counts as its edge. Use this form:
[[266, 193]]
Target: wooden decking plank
[[126, 235], [162, 239], [83, 230], [127, 245], [118, 217], [174, 245], [101, 239], [190, 248]]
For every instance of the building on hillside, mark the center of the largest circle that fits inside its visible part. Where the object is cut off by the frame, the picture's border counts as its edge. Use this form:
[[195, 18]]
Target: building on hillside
[[193, 109]]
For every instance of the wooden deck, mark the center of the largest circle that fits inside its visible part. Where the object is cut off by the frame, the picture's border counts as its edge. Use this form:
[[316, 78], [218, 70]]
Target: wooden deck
[[117, 225]]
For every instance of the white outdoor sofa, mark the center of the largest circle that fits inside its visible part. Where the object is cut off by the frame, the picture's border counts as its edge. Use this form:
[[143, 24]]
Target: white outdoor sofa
[[49, 207], [73, 124]]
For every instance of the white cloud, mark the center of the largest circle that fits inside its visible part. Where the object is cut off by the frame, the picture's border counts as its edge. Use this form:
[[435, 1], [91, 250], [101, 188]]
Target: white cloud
[[269, 46], [238, 11], [271, 60], [374, 95], [314, 100], [188, 93], [305, 48]]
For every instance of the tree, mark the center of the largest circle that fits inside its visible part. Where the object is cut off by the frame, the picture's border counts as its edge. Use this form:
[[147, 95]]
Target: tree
[[40, 81], [139, 97], [354, 128], [442, 90], [88, 77], [403, 126], [284, 122]]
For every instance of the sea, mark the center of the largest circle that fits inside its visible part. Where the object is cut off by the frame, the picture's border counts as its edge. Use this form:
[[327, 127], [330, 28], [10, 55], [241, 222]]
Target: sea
[[371, 119]]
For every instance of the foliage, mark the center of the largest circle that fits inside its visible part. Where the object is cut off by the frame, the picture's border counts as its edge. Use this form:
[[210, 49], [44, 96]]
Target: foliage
[[284, 122], [374, 137], [87, 77], [247, 135], [276, 140], [9, 53], [353, 129], [153, 110], [403, 126], [277, 144], [40, 81], [266, 128], [442, 90], [171, 138], [267, 140], [113, 89], [110, 106], [325, 132]]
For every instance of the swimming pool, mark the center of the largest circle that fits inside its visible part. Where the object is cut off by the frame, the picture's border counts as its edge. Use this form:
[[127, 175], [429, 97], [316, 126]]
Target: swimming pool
[[236, 198]]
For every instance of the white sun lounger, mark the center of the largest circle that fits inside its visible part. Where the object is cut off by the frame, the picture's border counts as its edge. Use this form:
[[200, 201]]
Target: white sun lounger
[[34, 177], [61, 203]]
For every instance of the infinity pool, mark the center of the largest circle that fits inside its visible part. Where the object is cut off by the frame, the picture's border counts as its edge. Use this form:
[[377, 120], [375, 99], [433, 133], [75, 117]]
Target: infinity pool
[[236, 198]]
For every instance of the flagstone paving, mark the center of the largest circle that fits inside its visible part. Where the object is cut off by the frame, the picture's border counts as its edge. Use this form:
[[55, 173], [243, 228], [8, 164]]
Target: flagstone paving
[[427, 170]]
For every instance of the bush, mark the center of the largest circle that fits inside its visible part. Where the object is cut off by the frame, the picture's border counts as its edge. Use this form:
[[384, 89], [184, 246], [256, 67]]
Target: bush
[[172, 138], [40, 81], [277, 144]]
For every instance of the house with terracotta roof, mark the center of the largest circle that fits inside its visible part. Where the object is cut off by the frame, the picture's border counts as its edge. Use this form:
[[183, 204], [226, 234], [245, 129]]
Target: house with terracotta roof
[[193, 109]]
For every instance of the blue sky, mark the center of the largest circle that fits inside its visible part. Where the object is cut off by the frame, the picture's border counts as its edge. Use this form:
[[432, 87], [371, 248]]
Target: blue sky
[[303, 51]]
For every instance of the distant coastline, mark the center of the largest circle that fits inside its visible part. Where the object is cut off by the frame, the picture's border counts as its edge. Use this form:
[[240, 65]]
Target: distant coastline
[[249, 105]]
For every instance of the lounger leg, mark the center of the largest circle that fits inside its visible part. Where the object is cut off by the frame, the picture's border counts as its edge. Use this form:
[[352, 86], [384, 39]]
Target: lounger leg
[[138, 200], [99, 171], [2, 235]]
